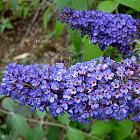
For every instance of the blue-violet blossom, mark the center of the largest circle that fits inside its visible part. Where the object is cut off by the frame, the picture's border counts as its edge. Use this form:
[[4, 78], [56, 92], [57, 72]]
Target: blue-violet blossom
[[91, 90], [106, 29]]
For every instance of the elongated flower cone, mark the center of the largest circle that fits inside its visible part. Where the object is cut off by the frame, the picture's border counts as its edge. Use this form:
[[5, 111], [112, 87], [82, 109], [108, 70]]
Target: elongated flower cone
[[97, 89], [106, 29]]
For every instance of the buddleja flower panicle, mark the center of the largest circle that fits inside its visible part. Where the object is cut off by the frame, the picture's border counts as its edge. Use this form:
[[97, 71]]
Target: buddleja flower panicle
[[97, 89], [106, 29]]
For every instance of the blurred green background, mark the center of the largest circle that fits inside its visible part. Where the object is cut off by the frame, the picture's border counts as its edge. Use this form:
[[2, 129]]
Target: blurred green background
[[30, 33]]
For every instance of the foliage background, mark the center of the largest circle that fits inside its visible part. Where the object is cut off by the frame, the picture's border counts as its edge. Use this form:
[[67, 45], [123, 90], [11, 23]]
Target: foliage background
[[19, 122]]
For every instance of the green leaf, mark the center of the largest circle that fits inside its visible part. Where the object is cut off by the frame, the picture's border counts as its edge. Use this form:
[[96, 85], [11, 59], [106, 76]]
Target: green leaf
[[134, 4], [46, 17], [101, 128], [112, 53], [138, 44], [91, 3], [38, 133], [40, 114], [35, 3], [80, 4], [108, 6], [9, 25], [123, 130], [76, 40], [90, 51], [23, 110], [53, 133], [1, 5], [58, 29], [74, 134], [1, 95], [66, 137], [26, 11], [21, 126], [9, 104], [64, 119], [5, 24], [63, 3]]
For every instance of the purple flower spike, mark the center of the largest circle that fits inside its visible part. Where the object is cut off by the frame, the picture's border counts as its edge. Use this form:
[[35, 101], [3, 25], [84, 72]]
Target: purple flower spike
[[106, 29], [97, 89]]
